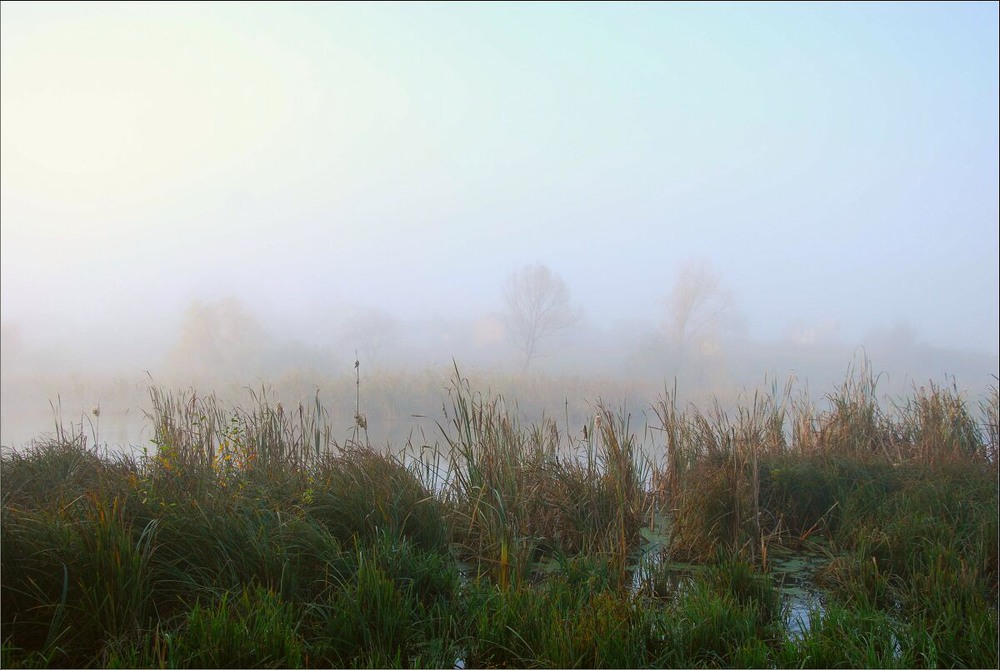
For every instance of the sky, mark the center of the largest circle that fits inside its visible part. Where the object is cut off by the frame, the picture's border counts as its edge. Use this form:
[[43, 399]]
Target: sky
[[835, 164]]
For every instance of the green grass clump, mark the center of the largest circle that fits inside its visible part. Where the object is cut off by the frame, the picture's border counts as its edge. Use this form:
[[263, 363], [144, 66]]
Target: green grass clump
[[848, 637], [563, 622], [394, 610], [364, 492], [76, 564], [707, 628], [253, 628]]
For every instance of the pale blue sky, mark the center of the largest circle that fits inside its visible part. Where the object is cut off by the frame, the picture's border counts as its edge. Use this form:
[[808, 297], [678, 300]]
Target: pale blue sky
[[835, 163]]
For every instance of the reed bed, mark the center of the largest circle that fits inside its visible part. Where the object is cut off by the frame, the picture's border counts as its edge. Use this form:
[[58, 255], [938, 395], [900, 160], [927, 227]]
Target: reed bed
[[519, 495], [252, 538]]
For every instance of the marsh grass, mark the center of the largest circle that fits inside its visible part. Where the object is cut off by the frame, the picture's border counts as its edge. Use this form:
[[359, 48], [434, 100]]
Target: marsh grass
[[197, 433], [250, 627], [252, 538], [712, 482], [517, 495]]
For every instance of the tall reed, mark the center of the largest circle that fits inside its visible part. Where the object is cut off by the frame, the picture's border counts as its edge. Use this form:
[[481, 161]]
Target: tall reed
[[712, 483], [519, 493]]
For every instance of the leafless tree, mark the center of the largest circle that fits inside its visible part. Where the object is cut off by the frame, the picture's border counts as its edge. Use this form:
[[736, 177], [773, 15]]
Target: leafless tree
[[538, 306], [695, 307]]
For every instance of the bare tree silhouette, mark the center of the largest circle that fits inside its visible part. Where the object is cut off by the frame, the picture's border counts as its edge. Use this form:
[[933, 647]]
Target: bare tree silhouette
[[695, 305], [696, 310], [538, 305]]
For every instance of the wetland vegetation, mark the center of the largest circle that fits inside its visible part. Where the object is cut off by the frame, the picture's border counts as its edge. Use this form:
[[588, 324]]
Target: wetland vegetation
[[775, 534]]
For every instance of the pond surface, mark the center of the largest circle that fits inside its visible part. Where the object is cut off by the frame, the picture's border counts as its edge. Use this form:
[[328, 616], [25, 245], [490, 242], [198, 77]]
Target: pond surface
[[793, 572]]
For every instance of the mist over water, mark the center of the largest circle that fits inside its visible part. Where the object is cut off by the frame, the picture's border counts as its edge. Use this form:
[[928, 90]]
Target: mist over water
[[404, 388], [245, 197]]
